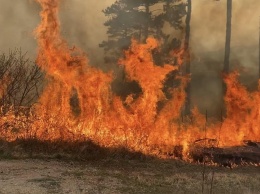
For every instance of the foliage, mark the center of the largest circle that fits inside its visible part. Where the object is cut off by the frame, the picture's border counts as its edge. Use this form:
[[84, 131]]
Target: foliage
[[139, 19]]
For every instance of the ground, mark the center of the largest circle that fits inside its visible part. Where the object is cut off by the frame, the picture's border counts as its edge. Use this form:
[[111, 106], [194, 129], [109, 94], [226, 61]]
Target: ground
[[123, 176]]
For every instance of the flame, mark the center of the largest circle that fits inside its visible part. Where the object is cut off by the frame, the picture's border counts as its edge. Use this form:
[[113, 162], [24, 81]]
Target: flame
[[136, 123]]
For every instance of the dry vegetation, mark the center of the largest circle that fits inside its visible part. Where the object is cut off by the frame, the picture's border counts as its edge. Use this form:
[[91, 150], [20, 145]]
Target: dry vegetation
[[21, 80], [77, 137], [31, 163], [33, 166]]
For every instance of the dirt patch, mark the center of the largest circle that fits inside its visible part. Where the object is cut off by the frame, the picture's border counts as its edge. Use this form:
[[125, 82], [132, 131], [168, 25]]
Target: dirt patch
[[122, 176]]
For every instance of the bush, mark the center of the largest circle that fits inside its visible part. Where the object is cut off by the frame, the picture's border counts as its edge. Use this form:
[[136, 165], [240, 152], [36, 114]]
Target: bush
[[21, 80]]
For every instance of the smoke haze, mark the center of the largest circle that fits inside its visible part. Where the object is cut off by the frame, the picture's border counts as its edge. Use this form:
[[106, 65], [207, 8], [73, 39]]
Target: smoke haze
[[82, 25], [208, 28]]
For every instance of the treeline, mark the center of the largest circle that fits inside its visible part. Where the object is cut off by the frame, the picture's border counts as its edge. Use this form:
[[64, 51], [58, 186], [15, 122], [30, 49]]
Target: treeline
[[160, 19], [139, 19], [21, 80]]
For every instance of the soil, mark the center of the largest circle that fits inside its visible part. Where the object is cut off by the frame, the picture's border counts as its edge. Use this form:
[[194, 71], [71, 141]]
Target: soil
[[123, 176]]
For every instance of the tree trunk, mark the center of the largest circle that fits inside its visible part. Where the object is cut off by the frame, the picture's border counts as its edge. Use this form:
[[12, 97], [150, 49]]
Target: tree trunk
[[187, 56], [146, 27], [227, 51], [167, 6], [259, 53], [228, 36]]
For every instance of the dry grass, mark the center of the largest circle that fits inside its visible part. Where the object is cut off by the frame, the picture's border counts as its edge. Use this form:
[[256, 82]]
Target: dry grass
[[121, 176], [66, 150], [81, 167]]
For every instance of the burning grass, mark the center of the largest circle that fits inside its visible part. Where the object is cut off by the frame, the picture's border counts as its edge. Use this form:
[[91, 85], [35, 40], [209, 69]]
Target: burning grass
[[136, 123]]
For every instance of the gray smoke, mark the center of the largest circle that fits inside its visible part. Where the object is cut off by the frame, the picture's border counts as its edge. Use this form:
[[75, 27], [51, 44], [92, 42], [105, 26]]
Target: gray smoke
[[18, 19], [208, 30], [82, 25]]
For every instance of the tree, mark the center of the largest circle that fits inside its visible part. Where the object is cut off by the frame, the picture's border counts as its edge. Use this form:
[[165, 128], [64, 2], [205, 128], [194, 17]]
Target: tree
[[174, 11], [20, 80], [139, 19], [228, 36], [135, 19], [259, 52], [227, 45], [187, 55], [127, 19]]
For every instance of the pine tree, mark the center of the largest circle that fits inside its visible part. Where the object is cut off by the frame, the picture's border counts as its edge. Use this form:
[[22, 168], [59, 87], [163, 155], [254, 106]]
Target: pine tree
[[139, 19], [134, 19]]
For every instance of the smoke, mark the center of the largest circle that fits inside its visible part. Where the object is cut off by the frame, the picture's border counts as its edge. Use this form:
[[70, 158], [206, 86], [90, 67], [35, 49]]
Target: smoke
[[208, 29], [209, 20], [18, 19], [82, 25]]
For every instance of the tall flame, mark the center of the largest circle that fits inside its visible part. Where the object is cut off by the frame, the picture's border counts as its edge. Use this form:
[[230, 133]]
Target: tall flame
[[136, 123]]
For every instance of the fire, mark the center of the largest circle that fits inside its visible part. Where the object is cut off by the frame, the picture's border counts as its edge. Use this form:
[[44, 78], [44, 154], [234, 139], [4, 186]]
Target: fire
[[135, 123]]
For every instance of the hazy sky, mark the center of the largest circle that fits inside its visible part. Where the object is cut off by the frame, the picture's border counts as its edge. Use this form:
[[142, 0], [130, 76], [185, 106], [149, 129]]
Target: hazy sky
[[82, 24]]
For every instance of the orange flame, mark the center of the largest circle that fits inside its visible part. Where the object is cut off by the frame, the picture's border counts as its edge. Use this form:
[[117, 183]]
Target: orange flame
[[136, 123]]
